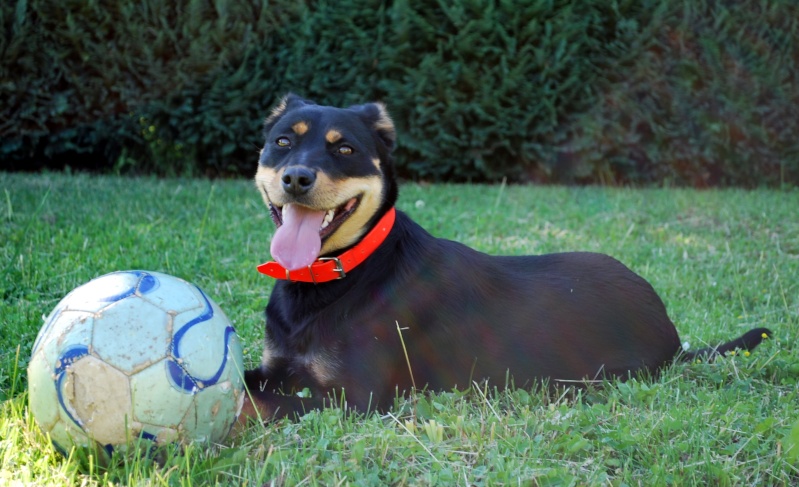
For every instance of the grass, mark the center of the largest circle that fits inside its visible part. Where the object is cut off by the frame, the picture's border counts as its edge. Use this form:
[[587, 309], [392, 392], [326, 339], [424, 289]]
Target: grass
[[723, 261]]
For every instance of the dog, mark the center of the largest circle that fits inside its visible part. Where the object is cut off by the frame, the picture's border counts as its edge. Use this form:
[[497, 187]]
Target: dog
[[369, 306]]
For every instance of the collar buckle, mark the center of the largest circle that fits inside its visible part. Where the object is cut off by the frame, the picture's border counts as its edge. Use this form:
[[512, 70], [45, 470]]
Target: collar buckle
[[339, 267]]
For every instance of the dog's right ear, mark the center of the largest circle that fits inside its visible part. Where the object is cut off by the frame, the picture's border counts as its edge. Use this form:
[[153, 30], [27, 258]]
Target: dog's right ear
[[289, 102], [377, 118]]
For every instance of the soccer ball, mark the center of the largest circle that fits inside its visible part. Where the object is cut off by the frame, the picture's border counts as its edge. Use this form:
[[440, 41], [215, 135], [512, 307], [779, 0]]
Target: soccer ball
[[132, 356]]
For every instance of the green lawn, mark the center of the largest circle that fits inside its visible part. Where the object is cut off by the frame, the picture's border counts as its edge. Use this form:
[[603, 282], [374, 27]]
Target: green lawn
[[724, 261]]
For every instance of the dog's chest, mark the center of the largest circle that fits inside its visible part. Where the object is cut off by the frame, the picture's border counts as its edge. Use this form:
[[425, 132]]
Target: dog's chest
[[320, 363]]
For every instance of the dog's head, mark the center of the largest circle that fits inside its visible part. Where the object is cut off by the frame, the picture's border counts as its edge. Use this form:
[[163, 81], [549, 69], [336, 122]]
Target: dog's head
[[327, 176]]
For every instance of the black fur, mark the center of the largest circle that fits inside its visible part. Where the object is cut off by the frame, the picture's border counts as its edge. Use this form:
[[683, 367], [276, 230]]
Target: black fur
[[459, 314], [747, 341]]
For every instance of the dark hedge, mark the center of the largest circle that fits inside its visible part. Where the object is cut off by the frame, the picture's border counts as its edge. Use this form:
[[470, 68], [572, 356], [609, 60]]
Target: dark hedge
[[653, 91]]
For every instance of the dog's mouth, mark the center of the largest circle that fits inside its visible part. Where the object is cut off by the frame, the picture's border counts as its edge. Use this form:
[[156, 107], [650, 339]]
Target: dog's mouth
[[301, 231], [332, 220]]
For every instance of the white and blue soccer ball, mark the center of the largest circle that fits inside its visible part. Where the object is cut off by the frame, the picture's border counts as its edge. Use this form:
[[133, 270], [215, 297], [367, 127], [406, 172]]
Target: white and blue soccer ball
[[135, 356]]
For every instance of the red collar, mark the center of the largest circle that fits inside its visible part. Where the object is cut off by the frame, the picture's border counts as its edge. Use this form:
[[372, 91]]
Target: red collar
[[331, 268]]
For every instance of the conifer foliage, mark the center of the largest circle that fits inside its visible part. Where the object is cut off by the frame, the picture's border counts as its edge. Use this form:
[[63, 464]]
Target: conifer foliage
[[691, 92]]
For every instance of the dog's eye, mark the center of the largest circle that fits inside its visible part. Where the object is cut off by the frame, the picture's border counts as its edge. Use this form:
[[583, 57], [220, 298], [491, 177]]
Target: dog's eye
[[283, 142], [345, 150]]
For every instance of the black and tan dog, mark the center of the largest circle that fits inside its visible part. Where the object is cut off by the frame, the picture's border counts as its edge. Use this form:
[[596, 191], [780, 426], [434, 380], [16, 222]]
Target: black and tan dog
[[371, 305]]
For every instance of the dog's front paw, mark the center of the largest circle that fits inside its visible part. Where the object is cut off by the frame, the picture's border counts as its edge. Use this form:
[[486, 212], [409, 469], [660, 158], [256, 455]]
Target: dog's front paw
[[248, 415]]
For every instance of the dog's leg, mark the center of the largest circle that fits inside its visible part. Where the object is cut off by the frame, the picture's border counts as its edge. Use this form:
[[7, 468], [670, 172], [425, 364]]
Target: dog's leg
[[270, 405], [265, 406], [265, 401]]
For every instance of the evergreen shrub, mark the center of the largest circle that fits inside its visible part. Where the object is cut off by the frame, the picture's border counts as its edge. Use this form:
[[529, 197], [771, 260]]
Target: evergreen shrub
[[483, 84], [711, 98], [631, 91], [146, 85]]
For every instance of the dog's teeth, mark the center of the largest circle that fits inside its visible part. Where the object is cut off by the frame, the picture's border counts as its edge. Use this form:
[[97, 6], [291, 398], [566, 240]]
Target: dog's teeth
[[328, 218]]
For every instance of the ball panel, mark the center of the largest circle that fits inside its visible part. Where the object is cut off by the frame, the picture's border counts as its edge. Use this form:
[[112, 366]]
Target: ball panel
[[132, 334], [66, 328], [200, 345], [159, 434], [100, 292], [173, 294], [155, 401], [180, 378], [65, 434], [44, 331], [200, 337], [98, 396], [213, 413], [65, 360], [235, 372], [42, 396]]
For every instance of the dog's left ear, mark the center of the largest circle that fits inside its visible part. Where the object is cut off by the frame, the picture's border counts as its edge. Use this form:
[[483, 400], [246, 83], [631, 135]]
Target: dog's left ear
[[377, 118], [289, 102]]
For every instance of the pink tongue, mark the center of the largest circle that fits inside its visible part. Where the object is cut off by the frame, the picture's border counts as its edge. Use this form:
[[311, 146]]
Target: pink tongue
[[296, 243]]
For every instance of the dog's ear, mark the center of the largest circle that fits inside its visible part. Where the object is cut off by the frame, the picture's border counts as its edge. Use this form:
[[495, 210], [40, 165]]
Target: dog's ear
[[377, 118], [289, 102]]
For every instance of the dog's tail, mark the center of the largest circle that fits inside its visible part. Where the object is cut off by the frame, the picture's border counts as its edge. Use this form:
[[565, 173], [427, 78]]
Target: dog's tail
[[745, 342]]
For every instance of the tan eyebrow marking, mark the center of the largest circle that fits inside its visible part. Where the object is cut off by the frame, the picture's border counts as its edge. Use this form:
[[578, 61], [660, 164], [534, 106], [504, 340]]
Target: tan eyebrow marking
[[333, 135], [300, 128]]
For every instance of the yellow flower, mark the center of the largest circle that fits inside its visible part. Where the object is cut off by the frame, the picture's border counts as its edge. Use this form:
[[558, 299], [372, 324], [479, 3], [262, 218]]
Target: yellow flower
[[764, 335], [746, 353], [732, 353]]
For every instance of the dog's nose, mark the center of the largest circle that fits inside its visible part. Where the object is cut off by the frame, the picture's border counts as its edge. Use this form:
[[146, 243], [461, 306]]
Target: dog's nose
[[298, 180]]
